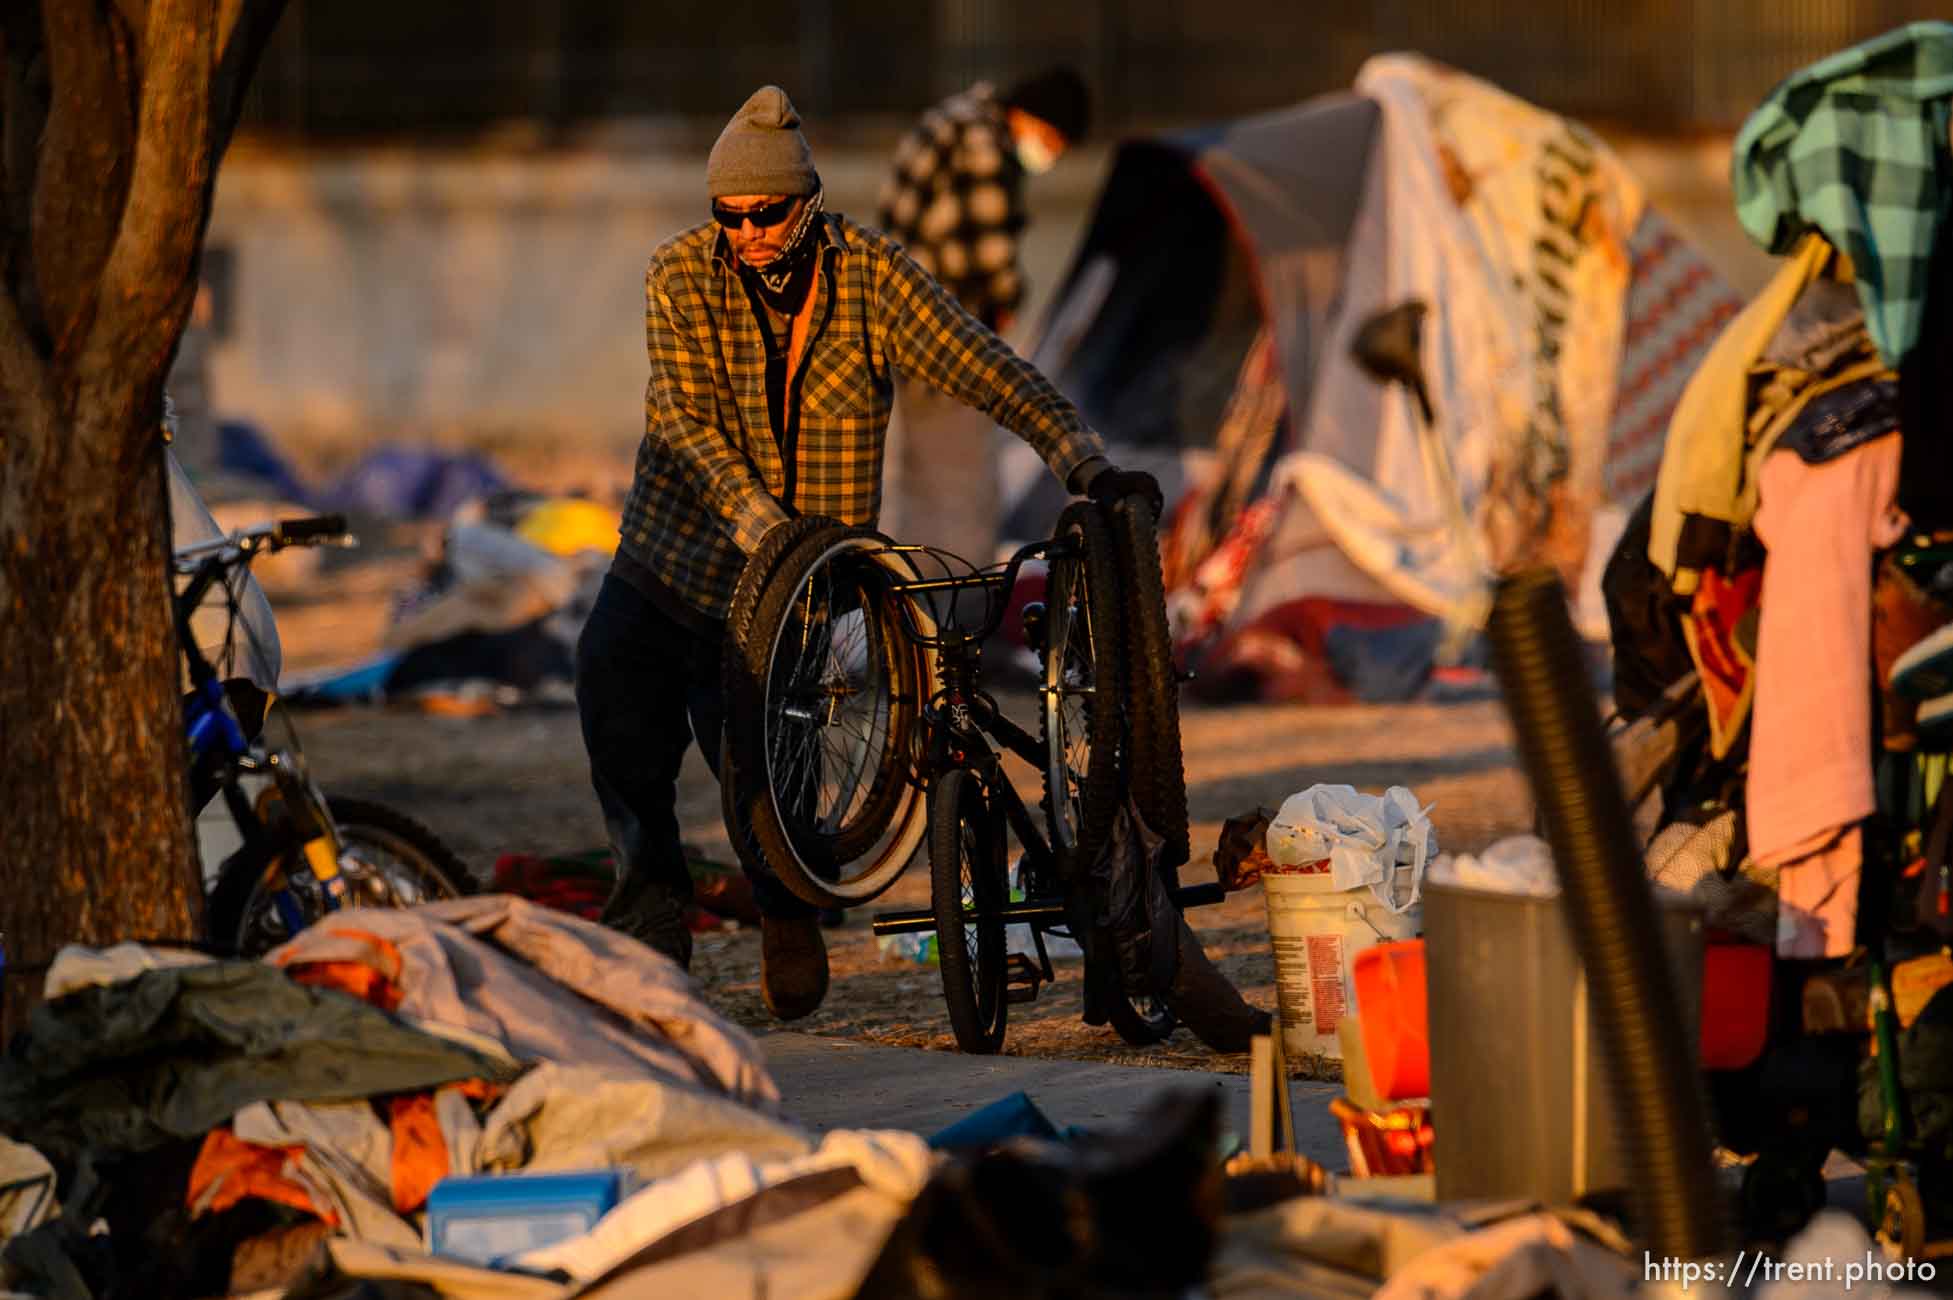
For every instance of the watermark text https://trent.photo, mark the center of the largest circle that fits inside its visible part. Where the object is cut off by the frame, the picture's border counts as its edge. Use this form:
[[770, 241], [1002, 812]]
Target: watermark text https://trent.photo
[[1754, 1268]]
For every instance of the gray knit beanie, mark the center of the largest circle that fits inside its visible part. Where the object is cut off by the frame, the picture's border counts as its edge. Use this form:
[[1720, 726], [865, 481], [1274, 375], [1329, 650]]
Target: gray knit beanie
[[761, 151]]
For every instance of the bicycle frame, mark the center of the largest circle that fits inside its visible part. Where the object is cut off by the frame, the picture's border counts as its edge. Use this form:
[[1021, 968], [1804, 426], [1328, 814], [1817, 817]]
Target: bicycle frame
[[960, 723], [217, 740]]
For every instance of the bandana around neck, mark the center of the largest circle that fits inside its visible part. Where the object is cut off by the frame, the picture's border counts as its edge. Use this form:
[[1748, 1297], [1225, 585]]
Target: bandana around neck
[[784, 281]]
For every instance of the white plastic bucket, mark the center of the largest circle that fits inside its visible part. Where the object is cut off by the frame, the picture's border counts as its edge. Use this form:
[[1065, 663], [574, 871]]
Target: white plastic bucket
[[1317, 930]]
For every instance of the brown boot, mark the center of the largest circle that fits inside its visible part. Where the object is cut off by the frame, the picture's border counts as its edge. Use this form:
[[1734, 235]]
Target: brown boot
[[793, 966]]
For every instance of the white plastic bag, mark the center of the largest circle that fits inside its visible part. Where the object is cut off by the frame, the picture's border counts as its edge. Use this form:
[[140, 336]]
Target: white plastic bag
[[1368, 839], [1518, 864]]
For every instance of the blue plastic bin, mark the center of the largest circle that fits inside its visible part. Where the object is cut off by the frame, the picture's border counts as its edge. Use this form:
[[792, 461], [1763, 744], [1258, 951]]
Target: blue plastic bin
[[488, 1219]]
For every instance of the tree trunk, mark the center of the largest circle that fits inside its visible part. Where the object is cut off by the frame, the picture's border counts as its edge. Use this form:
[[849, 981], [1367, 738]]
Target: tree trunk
[[112, 119], [95, 842]]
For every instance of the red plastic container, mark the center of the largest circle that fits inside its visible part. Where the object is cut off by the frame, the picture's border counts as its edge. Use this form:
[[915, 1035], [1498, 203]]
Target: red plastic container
[[1735, 1003], [1390, 996]]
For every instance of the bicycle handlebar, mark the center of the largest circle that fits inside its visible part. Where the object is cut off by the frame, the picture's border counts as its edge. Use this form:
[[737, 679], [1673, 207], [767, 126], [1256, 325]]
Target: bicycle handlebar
[[997, 577], [309, 530]]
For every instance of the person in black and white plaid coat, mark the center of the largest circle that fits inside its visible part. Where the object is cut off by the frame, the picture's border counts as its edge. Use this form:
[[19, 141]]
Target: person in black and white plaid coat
[[954, 200]]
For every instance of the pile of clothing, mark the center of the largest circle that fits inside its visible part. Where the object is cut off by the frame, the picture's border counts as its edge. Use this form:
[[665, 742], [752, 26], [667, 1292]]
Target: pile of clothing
[[1787, 556]]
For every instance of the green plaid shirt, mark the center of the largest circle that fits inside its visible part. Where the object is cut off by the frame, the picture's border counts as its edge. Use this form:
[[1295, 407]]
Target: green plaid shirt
[[1856, 147], [710, 476]]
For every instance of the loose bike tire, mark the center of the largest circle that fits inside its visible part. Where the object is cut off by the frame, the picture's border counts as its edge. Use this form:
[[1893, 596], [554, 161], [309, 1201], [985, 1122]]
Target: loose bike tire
[[1081, 714], [846, 856], [966, 872], [1157, 767]]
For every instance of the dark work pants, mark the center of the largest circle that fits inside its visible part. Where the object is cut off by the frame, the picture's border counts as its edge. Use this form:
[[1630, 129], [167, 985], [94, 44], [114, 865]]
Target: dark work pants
[[645, 686]]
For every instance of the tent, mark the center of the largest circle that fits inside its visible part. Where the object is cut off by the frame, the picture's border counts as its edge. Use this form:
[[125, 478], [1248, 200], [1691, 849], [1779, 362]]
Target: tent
[[1227, 263]]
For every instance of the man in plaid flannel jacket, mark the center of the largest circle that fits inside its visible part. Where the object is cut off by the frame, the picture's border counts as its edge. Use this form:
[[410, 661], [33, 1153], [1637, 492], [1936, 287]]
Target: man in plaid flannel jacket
[[774, 334]]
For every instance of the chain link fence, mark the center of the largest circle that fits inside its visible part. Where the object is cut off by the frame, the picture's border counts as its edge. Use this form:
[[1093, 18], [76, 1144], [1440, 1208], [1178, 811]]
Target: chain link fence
[[360, 69]]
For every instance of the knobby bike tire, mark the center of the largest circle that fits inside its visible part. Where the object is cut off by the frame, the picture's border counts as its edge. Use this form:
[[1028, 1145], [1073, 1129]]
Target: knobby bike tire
[[890, 820], [442, 874], [1081, 822], [1157, 766], [224, 909], [753, 579], [736, 686], [963, 841]]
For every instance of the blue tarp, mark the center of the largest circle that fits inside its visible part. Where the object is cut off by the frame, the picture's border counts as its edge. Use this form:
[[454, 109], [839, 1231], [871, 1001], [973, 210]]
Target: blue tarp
[[391, 482], [409, 483], [243, 450]]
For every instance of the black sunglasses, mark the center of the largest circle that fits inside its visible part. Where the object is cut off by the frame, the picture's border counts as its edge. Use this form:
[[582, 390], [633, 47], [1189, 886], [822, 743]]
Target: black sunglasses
[[763, 217]]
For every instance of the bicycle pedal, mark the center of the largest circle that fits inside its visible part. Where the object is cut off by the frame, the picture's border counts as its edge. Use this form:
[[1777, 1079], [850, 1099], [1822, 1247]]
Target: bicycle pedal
[[1022, 979]]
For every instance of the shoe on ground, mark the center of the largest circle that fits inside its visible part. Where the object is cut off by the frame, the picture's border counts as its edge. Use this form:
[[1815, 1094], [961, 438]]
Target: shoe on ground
[[793, 966], [654, 918]]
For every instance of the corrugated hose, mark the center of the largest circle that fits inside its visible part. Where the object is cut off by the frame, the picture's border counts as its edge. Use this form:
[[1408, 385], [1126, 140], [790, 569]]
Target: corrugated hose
[[1610, 908]]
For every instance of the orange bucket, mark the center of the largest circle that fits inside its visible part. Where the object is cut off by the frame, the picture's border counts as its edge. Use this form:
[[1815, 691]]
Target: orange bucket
[[1390, 997]]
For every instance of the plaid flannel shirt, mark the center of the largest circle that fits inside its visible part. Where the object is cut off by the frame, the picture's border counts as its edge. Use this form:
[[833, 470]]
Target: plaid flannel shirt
[[711, 478], [1856, 146], [955, 200]]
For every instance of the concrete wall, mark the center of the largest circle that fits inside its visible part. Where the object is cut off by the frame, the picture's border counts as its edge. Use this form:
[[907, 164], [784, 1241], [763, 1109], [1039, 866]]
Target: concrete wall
[[496, 298]]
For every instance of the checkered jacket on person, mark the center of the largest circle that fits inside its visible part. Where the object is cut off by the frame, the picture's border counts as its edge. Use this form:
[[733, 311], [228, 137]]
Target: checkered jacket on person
[[1856, 146], [711, 476], [955, 200]]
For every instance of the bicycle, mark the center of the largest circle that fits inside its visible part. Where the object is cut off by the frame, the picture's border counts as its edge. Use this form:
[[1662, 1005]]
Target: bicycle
[[302, 855], [857, 724]]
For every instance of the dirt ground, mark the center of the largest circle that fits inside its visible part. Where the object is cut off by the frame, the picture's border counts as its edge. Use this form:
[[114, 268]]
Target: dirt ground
[[519, 782]]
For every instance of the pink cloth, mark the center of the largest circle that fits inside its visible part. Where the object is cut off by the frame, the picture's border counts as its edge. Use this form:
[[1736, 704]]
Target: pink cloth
[[1817, 898], [1810, 774]]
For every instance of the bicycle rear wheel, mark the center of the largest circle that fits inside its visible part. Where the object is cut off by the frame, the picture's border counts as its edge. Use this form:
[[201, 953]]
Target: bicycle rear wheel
[[1082, 713], [823, 690], [966, 878]]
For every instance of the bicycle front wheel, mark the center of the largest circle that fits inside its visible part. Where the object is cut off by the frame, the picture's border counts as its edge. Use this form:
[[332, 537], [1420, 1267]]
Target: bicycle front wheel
[[1159, 779], [966, 880], [391, 860], [1082, 710]]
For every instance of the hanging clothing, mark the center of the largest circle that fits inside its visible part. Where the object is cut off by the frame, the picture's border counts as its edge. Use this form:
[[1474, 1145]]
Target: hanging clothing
[[1810, 768], [1741, 400], [1855, 146]]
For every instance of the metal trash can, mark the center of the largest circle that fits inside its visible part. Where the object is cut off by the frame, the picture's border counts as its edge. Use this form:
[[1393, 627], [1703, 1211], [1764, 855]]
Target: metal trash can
[[1520, 1096]]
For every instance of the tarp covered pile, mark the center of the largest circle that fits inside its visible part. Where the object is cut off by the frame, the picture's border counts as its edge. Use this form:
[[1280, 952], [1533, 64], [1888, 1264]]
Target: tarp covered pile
[[1206, 323], [182, 1127], [199, 1104]]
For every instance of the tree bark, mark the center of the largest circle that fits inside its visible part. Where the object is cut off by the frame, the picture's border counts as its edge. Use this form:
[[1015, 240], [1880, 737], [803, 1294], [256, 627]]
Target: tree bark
[[115, 117]]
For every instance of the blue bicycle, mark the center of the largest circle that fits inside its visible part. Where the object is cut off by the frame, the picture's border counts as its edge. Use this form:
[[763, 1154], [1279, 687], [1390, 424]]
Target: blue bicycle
[[300, 855]]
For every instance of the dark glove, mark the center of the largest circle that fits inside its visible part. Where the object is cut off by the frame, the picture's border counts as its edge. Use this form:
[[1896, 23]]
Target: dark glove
[[1111, 485]]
